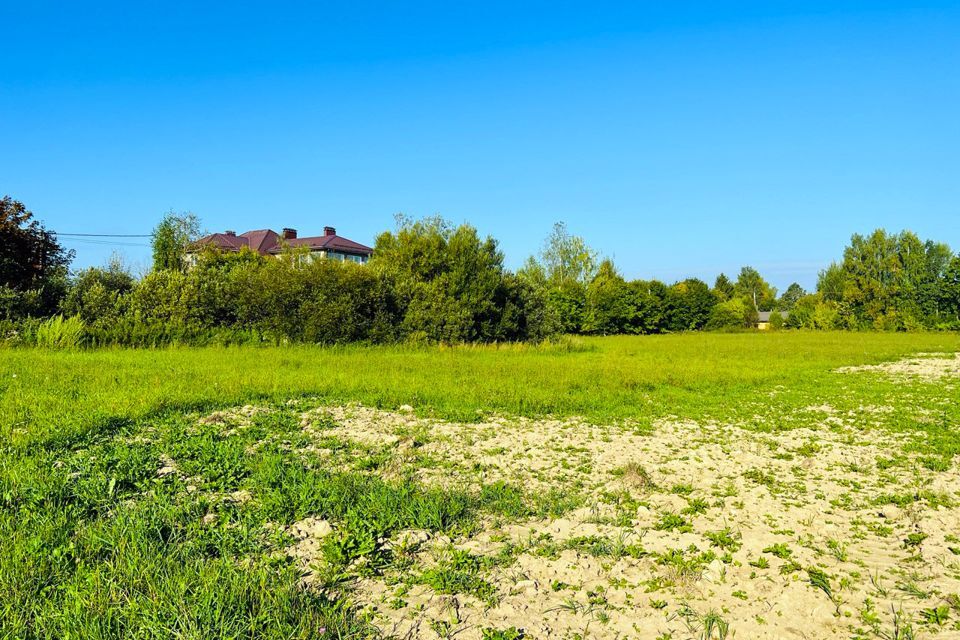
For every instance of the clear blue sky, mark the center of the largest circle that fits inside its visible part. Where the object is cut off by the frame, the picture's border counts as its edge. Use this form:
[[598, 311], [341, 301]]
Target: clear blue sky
[[679, 138]]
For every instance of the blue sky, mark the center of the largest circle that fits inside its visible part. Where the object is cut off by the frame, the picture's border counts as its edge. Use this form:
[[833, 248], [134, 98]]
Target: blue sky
[[682, 139]]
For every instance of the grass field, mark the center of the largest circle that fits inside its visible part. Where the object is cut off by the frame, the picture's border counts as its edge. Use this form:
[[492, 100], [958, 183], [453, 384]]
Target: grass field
[[675, 486]]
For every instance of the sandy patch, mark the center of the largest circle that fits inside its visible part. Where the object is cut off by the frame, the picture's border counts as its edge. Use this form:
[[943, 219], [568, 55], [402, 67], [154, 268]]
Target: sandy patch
[[691, 519], [924, 366]]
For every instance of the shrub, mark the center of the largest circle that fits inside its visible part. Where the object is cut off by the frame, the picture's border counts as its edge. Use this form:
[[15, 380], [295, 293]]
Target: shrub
[[732, 314], [776, 321]]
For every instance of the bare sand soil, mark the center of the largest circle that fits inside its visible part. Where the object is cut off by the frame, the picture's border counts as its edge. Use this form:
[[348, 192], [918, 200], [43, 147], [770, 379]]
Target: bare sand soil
[[797, 534], [928, 366]]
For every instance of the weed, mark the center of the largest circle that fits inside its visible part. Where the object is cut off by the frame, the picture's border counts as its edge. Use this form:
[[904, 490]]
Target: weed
[[780, 550], [458, 571], [936, 615], [696, 506], [503, 634], [820, 580], [707, 626], [673, 522], [726, 539]]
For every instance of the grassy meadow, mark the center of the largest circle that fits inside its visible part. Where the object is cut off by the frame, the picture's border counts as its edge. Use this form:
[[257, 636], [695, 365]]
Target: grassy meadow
[[241, 492]]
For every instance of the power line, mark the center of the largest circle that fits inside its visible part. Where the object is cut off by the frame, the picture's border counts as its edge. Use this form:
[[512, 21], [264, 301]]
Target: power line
[[105, 235], [109, 243]]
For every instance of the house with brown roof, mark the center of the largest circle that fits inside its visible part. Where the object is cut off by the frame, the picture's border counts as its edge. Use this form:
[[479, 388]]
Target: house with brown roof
[[267, 242]]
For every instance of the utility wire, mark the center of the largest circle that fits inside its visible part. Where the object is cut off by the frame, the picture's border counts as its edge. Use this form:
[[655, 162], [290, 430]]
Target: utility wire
[[109, 243], [105, 235]]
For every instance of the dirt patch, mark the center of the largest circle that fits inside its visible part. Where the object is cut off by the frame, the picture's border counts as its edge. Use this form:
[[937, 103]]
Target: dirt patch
[[797, 534], [924, 366], [308, 535]]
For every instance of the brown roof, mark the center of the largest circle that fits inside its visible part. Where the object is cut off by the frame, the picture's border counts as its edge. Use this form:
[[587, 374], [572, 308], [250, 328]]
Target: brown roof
[[261, 240], [267, 241], [328, 243], [224, 241]]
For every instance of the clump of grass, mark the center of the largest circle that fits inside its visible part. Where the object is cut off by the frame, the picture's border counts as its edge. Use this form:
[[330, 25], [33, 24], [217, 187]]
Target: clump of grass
[[936, 615], [914, 540], [633, 474], [838, 549], [459, 571], [60, 333], [686, 563], [901, 630], [709, 625], [820, 580], [682, 489]]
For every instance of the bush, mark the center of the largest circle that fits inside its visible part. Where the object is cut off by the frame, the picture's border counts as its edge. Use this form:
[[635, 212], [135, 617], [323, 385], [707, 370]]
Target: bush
[[776, 321], [732, 314]]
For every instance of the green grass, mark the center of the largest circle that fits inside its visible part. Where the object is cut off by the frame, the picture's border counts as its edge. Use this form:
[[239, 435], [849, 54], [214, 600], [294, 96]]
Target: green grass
[[95, 544], [49, 396]]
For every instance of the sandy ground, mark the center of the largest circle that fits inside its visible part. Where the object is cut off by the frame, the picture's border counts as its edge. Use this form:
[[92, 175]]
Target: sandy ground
[[686, 530], [623, 565], [929, 366]]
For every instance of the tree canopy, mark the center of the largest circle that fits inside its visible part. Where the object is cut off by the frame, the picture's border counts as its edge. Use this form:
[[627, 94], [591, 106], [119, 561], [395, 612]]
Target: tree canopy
[[33, 264], [172, 237]]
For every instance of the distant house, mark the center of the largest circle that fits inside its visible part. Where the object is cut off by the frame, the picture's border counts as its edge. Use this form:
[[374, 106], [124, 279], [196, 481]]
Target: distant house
[[763, 318], [268, 242]]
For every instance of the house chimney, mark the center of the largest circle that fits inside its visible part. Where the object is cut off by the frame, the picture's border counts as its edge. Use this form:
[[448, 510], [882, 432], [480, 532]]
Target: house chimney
[[230, 233], [289, 234], [329, 231]]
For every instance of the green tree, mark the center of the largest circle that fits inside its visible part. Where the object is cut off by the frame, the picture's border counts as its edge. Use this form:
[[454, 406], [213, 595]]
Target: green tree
[[688, 305], [789, 298], [832, 283], [567, 259], [33, 264], [649, 303], [450, 283], [949, 292], [735, 313], [751, 285], [888, 281], [723, 288], [608, 309], [171, 239], [801, 315], [776, 321]]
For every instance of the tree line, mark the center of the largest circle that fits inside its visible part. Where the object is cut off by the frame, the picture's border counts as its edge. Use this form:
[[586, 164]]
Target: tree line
[[432, 281]]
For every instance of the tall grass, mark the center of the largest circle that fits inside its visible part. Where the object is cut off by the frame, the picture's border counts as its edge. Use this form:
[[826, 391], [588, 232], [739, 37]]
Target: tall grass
[[60, 333], [54, 395]]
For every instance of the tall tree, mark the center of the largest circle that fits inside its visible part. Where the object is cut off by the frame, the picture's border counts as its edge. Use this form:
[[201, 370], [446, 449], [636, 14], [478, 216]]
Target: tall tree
[[171, 238], [29, 254], [949, 291], [567, 259], [609, 308], [751, 285], [891, 281], [723, 287], [33, 264], [688, 305], [450, 281], [789, 298], [831, 283]]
